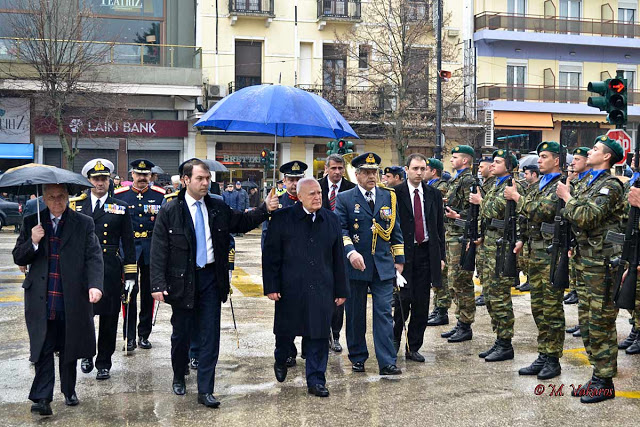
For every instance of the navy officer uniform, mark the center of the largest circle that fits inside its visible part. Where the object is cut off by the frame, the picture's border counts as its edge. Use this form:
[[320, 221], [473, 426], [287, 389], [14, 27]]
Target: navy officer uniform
[[144, 205], [371, 227], [114, 230]]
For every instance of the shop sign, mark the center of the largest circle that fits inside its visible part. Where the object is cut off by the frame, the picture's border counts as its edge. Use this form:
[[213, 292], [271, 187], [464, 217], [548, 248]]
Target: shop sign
[[122, 128], [14, 121], [122, 4]]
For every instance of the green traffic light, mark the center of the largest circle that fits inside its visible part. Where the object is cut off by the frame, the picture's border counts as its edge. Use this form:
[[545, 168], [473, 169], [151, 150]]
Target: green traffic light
[[599, 102], [617, 117], [598, 87]]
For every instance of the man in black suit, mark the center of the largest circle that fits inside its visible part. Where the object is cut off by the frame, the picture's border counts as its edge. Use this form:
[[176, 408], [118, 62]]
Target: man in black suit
[[64, 279], [421, 215], [190, 271], [332, 184]]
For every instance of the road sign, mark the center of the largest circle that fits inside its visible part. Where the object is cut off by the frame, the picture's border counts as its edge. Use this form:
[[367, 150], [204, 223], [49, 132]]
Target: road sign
[[623, 139]]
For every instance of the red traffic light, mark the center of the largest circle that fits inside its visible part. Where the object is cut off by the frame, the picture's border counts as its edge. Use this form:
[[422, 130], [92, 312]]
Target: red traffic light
[[341, 144], [616, 85]]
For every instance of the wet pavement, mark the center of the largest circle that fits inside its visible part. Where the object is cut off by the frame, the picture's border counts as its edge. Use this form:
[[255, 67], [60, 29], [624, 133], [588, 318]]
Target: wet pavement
[[453, 387]]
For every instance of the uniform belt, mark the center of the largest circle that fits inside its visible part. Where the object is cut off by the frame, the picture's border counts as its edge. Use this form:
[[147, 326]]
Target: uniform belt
[[592, 252], [111, 249], [142, 235]]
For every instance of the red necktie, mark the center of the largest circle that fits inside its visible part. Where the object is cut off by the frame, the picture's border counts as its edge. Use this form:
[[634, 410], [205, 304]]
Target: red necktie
[[417, 216], [332, 197]]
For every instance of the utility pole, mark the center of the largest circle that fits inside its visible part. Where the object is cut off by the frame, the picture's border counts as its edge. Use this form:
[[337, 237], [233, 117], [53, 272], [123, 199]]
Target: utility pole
[[437, 152]]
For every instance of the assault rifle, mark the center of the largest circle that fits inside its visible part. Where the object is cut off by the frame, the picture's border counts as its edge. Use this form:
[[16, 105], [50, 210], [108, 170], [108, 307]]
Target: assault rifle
[[506, 261], [471, 231]]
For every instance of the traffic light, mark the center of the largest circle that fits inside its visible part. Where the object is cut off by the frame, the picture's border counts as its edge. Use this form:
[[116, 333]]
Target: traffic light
[[612, 99], [332, 147], [269, 159], [263, 157], [345, 147]]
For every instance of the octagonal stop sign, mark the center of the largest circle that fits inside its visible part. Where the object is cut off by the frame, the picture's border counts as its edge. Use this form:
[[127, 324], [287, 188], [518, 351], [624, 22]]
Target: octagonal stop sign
[[623, 139]]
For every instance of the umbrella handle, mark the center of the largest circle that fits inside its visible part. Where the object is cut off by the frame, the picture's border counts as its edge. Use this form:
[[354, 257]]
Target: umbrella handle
[[38, 203]]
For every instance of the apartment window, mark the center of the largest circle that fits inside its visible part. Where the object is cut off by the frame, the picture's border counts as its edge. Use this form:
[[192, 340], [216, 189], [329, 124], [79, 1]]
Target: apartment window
[[418, 78], [248, 64], [515, 78], [569, 90], [627, 15], [334, 76], [516, 7], [571, 10], [626, 18], [363, 56], [631, 84]]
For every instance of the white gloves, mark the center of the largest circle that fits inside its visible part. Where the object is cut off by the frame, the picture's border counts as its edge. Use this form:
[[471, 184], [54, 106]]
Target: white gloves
[[128, 285], [400, 280]]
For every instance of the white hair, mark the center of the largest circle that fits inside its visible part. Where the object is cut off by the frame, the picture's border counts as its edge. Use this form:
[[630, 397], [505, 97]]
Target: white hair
[[305, 181], [175, 179]]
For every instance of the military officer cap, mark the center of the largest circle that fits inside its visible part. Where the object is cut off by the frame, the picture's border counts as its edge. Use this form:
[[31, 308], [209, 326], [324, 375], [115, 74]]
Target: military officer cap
[[141, 166], [503, 153], [366, 161], [117, 177], [395, 170], [279, 181], [581, 151], [435, 164], [486, 159], [533, 168], [97, 167], [463, 149], [550, 146], [613, 145], [294, 169]]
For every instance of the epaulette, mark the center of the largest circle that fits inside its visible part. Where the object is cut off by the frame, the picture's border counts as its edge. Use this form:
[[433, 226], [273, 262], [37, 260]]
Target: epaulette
[[384, 187], [78, 198], [172, 195], [121, 190], [158, 189]]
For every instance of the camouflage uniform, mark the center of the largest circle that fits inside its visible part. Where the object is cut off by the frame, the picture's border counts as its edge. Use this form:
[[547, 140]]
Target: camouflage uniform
[[578, 186], [526, 250], [592, 213], [482, 272], [460, 281], [539, 206], [442, 296]]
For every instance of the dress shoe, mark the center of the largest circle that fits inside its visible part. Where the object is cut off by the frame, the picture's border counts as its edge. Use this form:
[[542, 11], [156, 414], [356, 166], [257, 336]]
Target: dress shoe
[[480, 300], [396, 346], [336, 346], [179, 386], [525, 287], [390, 370], [71, 400], [634, 348], [103, 374], [144, 343], [358, 367], [208, 400], [318, 390], [441, 318], [535, 367], [415, 356], [551, 368], [193, 363], [601, 389], [291, 362], [572, 329], [86, 365], [572, 298], [464, 333], [577, 334], [488, 352], [42, 407], [503, 351], [131, 345], [451, 332], [629, 340], [280, 371]]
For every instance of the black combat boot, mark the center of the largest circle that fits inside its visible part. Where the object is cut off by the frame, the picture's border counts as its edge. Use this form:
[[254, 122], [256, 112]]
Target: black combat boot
[[535, 367], [433, 313], [488, 352], [551, 368], [634, 348], [480, 300], [572, 329], [629, 340], [441, 318], [571, 298], [503, 351], [464, 333], [451, 332], [601, 389]]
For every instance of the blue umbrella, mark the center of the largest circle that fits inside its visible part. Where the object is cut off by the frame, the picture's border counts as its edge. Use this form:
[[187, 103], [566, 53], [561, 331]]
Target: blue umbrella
[[277, 110]]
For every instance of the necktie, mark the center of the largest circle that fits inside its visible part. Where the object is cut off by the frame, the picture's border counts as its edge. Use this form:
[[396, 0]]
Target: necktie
[[369, 198], [95, 210], [201, 239], [55, 224], [417, 216], [332, 197]]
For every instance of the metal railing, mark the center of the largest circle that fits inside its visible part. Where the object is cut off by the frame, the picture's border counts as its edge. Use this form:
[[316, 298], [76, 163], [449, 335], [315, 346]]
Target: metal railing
[[556, 25], [251, 7], [143, 54], [541, 93], [339, 9]]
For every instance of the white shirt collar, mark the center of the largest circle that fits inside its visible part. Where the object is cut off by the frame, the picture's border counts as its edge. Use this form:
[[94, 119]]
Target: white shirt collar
[[363, 191], [412, 189], [102, 200], [337, 184], [52, 216], [309, 213], [190, 200]]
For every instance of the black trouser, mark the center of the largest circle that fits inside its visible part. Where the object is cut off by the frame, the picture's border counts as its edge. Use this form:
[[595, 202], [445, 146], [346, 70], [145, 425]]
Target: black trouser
[[316, 351], [107, 336], [146, 304], [336, 321], [414, 299], [206, 317], [42, 387]]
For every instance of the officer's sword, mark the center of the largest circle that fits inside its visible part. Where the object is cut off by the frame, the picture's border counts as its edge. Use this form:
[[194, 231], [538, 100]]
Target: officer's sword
[[155, 312], [233, 316], [404, 325]]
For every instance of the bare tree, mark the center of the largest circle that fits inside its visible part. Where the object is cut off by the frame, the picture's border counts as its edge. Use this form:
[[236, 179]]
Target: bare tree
[[57, 66]]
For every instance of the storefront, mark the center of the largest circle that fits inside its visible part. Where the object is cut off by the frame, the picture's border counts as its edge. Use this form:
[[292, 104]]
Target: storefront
[[15, 133]]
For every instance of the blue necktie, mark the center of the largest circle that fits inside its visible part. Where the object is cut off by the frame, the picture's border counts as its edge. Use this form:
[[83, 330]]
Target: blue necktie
[[201, 238]]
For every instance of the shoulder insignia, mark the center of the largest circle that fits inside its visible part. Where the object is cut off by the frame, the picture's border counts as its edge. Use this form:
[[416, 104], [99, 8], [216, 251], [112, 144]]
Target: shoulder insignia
[[158, 189], [384, 187], [78, 198], [121, 190], [171, 195]]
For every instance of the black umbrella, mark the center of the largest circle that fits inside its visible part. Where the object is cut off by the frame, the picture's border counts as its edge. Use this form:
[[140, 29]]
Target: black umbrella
[[215, 166], [29, 178], [248, 184]]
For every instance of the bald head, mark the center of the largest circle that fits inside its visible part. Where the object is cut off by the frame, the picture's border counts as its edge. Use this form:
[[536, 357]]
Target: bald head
[[309, 194]]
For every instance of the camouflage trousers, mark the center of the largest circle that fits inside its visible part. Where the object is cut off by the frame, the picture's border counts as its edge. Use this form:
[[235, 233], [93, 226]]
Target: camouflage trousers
[[573, 275], [442, 296], [597, 315], [546, 304], [497, 292], [460, 281]]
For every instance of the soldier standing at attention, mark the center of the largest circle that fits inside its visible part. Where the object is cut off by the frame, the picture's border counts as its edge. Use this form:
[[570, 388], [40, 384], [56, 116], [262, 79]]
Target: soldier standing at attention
[[592, 213], [531, 178], [538, 206], [488, 182], [460, 281], [144, 203], [632, 343]]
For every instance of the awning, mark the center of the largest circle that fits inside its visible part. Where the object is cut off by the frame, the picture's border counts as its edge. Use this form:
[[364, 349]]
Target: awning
[[522, 120], [16, 151], [586, 118]]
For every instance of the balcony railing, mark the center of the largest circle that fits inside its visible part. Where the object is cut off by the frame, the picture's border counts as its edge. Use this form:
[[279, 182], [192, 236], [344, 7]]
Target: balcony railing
[[144, 54], [251, 7], [339, 9], [556, 25], [542, 94]]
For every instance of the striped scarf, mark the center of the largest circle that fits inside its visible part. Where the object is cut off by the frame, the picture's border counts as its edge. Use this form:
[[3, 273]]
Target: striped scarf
[[55, 299]]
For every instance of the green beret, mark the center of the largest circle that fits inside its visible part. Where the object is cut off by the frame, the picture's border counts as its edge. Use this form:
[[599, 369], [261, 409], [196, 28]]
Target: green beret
[[503, 153], [435, 164], [550, 146], [464, 149], [581, 151], [614, 145]]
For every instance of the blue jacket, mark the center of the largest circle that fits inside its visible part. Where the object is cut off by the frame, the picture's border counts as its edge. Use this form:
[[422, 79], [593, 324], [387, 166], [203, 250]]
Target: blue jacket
[[237, 200], [356, 220]]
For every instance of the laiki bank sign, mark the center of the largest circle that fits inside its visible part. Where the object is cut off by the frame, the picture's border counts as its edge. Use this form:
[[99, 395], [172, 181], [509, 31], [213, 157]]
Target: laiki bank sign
[[14, 121]]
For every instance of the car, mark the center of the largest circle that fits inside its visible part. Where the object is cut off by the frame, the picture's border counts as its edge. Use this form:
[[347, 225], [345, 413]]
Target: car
[[10, 213]]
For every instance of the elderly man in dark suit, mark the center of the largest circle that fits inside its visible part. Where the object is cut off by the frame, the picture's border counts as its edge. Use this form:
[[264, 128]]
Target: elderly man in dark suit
[[421, 214], [304, 271], [331, 184], [64, 279]]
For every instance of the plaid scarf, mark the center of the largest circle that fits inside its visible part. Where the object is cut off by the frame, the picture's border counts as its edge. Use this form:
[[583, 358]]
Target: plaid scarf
[[55, 299]]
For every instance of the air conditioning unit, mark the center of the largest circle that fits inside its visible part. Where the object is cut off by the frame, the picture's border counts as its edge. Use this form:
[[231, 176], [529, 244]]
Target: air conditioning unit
[[216, 91], [488, 127]]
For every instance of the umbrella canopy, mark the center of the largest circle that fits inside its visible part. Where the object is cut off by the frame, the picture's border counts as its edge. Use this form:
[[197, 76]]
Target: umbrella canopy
[[530, 160], [157, 169], [215, 166], [29, 178], [277, 110], [248, 184]]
